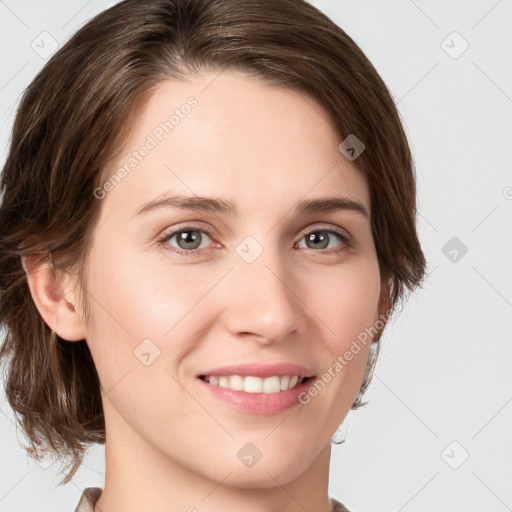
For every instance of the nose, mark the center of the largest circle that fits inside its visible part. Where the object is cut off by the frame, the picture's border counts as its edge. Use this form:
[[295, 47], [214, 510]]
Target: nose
[[263, 300]]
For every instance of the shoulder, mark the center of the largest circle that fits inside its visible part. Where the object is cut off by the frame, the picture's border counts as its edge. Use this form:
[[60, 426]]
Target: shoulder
[[88, 499], [336, 506]]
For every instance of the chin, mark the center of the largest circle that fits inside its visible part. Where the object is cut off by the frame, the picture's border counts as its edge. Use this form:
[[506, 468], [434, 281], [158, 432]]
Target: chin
[[263, 475], [281, 464]]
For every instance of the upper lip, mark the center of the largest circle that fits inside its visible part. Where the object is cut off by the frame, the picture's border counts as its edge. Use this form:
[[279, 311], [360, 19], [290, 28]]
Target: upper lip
[[260, 370]]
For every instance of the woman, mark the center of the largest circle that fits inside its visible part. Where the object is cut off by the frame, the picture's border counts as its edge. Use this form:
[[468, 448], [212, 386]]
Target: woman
[[172, 169]]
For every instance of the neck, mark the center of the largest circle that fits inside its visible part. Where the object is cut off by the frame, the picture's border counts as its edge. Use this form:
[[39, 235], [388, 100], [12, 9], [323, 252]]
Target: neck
[[140, 477]]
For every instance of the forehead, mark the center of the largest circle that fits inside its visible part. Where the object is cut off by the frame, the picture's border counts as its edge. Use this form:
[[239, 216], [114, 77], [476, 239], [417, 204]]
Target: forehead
[[231, 135]]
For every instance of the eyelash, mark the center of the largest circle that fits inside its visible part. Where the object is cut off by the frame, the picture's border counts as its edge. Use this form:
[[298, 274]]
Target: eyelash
[[346, 242]]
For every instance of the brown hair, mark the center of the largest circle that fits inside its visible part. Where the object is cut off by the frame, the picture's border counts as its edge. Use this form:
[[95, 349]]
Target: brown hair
[[69, 125]]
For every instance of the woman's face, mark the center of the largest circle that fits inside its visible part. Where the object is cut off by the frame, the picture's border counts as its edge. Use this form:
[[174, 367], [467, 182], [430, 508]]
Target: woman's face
[[263, 287]]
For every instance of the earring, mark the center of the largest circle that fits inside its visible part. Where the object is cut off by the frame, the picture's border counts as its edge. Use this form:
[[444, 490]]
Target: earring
[[338, 436]]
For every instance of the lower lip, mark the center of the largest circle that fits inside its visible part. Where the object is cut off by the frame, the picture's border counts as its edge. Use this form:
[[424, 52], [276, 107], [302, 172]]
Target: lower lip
[[259, 403]]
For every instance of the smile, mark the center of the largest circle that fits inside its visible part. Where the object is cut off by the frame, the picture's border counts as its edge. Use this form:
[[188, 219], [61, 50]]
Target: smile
[[254, 384]]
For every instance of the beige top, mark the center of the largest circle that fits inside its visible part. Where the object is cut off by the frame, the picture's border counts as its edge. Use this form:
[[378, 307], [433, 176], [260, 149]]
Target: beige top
[[92, 494]]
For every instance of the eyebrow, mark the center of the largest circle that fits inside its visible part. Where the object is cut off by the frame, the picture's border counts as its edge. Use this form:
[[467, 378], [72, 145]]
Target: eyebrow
[[218, 205]]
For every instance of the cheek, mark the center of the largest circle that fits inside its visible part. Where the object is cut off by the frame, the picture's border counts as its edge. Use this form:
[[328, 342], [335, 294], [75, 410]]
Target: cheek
[[142, 295], [141, 327], [346, 303], [144, 305], [346, 300]]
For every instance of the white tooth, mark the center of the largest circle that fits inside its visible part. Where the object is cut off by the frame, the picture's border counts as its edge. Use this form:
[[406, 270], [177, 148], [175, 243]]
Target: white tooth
[[236, 383], [271, 385], [253, 384], [293, 381], [224, 381]]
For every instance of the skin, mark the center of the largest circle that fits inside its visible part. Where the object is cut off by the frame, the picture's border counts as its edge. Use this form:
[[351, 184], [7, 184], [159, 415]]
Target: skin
[[169, 441]]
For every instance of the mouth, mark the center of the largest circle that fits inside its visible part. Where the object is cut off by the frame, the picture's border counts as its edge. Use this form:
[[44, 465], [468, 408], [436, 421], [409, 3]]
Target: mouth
[[255, 384], [255, 388]]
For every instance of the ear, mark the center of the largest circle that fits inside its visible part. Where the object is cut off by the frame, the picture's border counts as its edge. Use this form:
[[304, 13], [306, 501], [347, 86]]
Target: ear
[[53, 294], [383, 309]]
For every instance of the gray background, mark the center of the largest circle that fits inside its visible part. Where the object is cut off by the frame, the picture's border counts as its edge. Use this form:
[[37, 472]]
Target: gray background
[[436, 434]]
